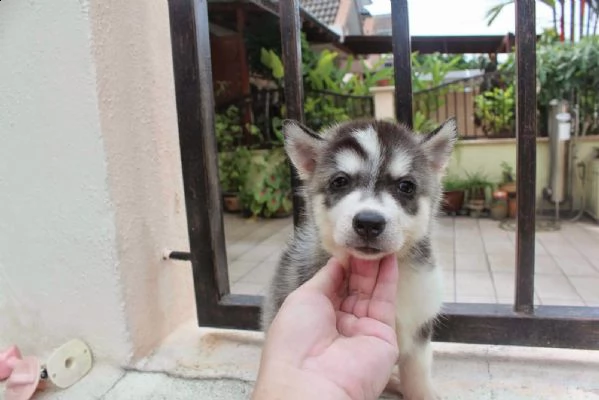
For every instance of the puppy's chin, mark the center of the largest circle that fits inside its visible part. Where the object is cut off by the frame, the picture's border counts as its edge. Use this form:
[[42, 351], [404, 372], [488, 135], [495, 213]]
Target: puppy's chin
[[366, 254]]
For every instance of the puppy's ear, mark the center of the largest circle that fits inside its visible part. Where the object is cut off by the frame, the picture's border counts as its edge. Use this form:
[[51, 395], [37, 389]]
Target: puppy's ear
[[302, 146], [438, 144]]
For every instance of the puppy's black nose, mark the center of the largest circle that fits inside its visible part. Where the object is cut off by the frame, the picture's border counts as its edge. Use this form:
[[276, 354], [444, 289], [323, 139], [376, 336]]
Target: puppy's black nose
[[369, 224]]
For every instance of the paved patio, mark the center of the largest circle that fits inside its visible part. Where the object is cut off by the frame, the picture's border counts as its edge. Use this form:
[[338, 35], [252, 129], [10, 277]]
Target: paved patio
[[478, 258]]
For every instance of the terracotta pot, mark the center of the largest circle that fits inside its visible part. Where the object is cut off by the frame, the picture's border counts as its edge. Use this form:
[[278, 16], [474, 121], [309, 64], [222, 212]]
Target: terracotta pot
[[499, 210], [383, 82], [509, 187], [453, 201], [231, 202], [513, 207]]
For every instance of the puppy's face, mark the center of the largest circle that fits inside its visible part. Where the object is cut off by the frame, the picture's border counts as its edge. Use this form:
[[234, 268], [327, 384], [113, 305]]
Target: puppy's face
[[373, 186]]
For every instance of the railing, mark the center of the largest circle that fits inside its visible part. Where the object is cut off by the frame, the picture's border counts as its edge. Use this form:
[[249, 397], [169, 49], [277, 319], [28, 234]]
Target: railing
[[524, 323], [483, 105], [258, 116]]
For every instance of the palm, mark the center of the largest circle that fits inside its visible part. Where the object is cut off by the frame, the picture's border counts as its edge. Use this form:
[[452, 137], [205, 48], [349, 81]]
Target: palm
[[363, 333]]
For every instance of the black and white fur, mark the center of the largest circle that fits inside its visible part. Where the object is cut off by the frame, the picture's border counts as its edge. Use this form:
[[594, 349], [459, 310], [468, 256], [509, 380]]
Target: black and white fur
[[372, 188]]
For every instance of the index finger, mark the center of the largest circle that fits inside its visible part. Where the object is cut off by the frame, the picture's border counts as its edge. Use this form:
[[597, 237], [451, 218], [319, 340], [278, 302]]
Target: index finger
[[383, 303]]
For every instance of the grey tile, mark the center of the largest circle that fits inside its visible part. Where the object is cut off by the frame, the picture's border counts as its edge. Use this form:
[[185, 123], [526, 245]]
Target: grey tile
[[576, 266], [471, 262], [474, 284], [555, 287], [588, 288]]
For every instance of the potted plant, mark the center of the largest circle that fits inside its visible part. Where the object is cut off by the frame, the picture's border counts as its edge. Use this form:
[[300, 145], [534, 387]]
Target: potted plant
[[508, 185], [453, 194], [267, 189], [476, 185], [233, 158]]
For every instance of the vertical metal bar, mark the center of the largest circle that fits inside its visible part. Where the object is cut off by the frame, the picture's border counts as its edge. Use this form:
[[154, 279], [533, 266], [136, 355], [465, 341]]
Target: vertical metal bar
[[400, 25], [195, 112], [294, 87], [526, 131]]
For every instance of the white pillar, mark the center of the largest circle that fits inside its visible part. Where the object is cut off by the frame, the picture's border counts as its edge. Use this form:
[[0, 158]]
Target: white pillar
[[384, 101]]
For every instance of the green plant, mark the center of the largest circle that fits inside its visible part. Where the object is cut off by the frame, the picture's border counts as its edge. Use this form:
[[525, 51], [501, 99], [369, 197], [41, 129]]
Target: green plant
[[453, 183], [507, 173], [495, 110], [233, 158], [267, 189], [567, 69], [421, 123], [476, 184]]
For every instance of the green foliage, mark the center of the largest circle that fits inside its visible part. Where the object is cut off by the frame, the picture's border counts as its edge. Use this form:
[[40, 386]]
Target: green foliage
[[494, 11], [421, 123], [453, 183], [233, 158], [476, 184], [429, 72], [267, 189], [273, 62], [507, 172], [495, 109], [567, 68]]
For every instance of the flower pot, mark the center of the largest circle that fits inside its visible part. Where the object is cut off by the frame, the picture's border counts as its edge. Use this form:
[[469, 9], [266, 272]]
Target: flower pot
[[499, 210], [453, 201], [513, 207], [509, 187], [383, 82], [231, 202]]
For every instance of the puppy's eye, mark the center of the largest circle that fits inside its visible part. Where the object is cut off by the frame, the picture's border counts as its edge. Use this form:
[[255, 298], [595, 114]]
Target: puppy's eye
[[339, 181], [406, 186]]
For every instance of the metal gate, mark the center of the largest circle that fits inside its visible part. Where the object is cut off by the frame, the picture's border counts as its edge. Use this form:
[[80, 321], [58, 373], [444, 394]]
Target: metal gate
[[521, 324]]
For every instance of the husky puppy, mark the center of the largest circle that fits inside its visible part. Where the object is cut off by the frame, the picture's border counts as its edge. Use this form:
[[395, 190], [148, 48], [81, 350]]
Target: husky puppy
[[372, 188]]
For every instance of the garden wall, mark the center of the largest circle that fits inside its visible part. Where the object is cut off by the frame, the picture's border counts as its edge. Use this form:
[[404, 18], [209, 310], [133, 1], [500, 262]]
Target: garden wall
[[486, 155]]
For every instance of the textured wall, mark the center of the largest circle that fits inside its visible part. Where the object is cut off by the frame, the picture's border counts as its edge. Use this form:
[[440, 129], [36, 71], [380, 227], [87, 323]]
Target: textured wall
[[131, 46], [59, 275], [90, 180]]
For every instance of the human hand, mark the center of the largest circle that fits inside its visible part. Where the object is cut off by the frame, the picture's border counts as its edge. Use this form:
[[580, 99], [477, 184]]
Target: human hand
[[332, 341]]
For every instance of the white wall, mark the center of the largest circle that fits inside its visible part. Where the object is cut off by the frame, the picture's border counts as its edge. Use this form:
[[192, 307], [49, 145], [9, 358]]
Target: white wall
[[90, 183]]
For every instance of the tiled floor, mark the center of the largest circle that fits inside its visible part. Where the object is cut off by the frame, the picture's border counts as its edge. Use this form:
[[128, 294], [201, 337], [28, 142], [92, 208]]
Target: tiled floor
[[478, 258]]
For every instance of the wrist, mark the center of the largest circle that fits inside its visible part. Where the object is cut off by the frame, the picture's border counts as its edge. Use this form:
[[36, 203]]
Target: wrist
[[283, 382]]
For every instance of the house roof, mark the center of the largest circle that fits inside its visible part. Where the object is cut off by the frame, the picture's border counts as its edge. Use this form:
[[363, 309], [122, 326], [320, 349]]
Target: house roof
[[323, 10]]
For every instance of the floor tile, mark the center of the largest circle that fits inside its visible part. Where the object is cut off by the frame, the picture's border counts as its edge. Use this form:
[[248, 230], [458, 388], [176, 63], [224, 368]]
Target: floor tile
[[563, 302], [576, 266], [546, 265], [588, 288], [248, 288], [554, 287], [502, 262], [503, 247], [261, 274], [239, 268], [504, 284], [474, 284], [476, 299], [471, 262]]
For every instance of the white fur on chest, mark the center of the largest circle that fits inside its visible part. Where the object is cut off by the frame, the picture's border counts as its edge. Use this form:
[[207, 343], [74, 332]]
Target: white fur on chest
[[419, 299]]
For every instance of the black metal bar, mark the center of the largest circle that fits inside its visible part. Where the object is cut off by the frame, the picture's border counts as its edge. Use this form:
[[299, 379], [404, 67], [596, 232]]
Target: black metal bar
[[190, 41], [402, 52], [526, 121], [294, 87], [550, 326], [179, 255]]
